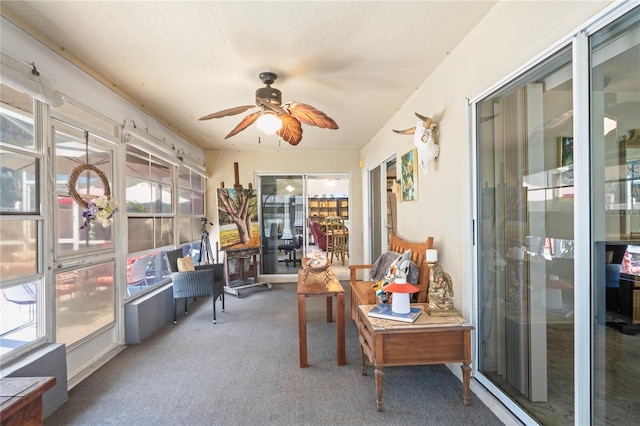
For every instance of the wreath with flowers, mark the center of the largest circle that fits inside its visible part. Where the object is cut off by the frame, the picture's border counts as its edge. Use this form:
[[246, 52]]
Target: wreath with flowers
[[96, 209]]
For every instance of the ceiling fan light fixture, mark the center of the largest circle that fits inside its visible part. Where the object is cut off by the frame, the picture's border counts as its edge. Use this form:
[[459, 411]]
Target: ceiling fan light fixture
[[268, 123]]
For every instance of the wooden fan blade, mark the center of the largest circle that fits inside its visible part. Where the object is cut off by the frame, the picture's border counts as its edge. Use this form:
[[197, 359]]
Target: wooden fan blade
[[291, 130], [273, 107], [311, 116], [227, 112], [246, 122]]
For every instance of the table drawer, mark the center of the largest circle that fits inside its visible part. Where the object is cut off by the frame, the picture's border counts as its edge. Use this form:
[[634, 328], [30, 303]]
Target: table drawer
[[365, 336]]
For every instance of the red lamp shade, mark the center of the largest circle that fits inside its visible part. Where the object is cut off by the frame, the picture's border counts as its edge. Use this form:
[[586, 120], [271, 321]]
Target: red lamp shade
[[395, 287]]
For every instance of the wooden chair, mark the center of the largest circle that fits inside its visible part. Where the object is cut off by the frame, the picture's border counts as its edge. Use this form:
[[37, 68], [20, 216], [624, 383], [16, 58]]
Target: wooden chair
[[206, 280], [337, 238]]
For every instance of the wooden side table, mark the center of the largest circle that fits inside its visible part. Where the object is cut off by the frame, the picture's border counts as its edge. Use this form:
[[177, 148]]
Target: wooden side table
[[323, 284], [21, 399], [429, 340]]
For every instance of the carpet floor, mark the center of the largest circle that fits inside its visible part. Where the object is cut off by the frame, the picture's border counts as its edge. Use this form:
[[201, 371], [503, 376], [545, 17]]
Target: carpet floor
[[245, 370]]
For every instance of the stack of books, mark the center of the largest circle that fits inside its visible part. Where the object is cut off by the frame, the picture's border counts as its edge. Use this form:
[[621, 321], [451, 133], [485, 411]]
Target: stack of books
[[384, 311]]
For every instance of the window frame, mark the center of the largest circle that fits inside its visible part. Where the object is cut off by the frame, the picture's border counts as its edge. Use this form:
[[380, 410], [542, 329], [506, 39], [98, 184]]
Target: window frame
[[43, 333]]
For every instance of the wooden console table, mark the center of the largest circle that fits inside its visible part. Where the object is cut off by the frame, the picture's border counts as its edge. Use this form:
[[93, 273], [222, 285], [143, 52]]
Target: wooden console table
[[21, 399], [429, 340], [318, 285]]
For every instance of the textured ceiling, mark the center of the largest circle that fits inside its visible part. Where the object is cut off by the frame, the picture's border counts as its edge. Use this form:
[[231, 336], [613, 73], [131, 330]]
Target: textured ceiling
[[356, 61]]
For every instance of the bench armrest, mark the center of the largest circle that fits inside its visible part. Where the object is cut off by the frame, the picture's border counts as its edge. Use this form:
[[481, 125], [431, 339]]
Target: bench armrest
[[353, 269]]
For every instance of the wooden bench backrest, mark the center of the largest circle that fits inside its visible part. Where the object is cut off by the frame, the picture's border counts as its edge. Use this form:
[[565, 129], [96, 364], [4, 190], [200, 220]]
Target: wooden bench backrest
[[418, 256]]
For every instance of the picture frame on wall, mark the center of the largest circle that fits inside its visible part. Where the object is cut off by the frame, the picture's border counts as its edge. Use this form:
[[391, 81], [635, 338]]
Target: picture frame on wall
[[409, 175], [565, 151]]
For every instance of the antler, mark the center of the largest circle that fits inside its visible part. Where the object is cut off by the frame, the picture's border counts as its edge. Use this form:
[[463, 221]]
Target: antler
[[427, 123]]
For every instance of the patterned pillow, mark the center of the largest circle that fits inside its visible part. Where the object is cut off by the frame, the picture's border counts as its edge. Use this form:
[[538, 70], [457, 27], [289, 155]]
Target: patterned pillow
[[399, 268], [185, 264]]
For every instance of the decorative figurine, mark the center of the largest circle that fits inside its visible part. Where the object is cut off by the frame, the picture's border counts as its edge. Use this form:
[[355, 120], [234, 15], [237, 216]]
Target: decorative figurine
[[440, 288]]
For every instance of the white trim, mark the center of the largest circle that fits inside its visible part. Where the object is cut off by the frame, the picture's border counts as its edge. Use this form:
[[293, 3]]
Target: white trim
[[144, 140], [26, 78], [582, 231]]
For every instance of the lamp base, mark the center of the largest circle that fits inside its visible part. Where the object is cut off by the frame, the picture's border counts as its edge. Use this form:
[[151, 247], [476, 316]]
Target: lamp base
[[442, 313]]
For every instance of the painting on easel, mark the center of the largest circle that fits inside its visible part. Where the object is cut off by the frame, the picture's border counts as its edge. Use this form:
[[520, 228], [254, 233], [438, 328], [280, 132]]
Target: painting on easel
[[238, 219]]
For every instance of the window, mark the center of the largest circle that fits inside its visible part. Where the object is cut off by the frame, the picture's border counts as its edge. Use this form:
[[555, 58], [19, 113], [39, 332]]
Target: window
[[150, 216], [21, 280], [191, 187], [73, 148], [85, 295]]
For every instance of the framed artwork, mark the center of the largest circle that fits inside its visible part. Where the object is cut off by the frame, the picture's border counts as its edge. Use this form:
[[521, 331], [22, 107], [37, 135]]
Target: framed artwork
[[565, 151], [409, 175], [238, 219]]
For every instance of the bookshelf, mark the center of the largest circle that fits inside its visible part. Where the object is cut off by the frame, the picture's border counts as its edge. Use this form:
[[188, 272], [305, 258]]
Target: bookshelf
[[321, 207]]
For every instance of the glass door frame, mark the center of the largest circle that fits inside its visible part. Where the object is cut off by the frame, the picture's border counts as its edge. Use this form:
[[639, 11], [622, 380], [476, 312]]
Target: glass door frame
[[306, 178], [585, 308]]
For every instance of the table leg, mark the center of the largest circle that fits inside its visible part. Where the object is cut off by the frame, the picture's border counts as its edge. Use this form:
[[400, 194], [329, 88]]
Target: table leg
[[302, 330], [329, 308], [362, 361], [342, 357], [379, 376], [466, 378]]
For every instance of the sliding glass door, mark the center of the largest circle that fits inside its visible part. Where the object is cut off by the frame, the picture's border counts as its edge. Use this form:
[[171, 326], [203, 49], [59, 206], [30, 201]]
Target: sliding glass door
[[558, 232], [281, 223], [288, 204], [615, 195], [526, 242]]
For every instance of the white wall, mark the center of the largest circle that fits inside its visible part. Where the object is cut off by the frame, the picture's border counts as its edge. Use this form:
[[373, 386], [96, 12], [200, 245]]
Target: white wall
[[250, 163], [512, 34]]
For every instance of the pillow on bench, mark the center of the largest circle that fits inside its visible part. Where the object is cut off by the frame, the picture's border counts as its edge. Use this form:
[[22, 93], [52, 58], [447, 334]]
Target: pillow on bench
[[384, 271], [382, 265]]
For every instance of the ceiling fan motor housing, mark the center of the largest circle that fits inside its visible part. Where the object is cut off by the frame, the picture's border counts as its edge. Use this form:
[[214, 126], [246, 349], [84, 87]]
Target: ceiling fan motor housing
[[271, 94]]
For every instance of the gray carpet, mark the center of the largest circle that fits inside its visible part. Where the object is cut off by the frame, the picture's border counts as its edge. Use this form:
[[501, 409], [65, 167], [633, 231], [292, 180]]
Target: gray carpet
[[244, 370]]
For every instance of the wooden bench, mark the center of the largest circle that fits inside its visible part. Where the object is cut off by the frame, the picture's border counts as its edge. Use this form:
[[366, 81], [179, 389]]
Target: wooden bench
[[362, 292], [21, 399]]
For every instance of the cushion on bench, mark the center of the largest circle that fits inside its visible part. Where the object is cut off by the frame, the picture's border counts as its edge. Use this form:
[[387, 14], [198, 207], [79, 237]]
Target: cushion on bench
[[362, 291]]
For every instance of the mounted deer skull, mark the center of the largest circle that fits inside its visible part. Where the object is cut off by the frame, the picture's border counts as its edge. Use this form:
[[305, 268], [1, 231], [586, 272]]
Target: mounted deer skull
[[423, 139]]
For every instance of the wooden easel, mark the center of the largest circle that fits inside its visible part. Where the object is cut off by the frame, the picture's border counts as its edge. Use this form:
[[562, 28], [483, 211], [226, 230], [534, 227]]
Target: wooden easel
[[243, 279]]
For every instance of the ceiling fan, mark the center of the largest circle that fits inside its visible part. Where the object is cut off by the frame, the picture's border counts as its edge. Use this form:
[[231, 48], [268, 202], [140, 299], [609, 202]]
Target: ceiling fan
[[285, 118]]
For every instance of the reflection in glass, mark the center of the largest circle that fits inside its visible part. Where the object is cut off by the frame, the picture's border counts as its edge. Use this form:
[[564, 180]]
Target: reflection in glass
[[18, 316], [85, 300], [18, 184], [16, 118], [140, 234], [146, 271], [282, 223], [73, 148], [526, 207], [615, 102], [18, 254]]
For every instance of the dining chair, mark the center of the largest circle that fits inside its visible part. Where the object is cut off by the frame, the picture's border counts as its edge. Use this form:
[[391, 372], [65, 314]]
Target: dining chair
[[337, 238]]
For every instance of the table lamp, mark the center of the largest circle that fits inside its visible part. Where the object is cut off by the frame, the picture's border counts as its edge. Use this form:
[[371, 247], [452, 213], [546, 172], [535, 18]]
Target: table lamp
[[401, 289]]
